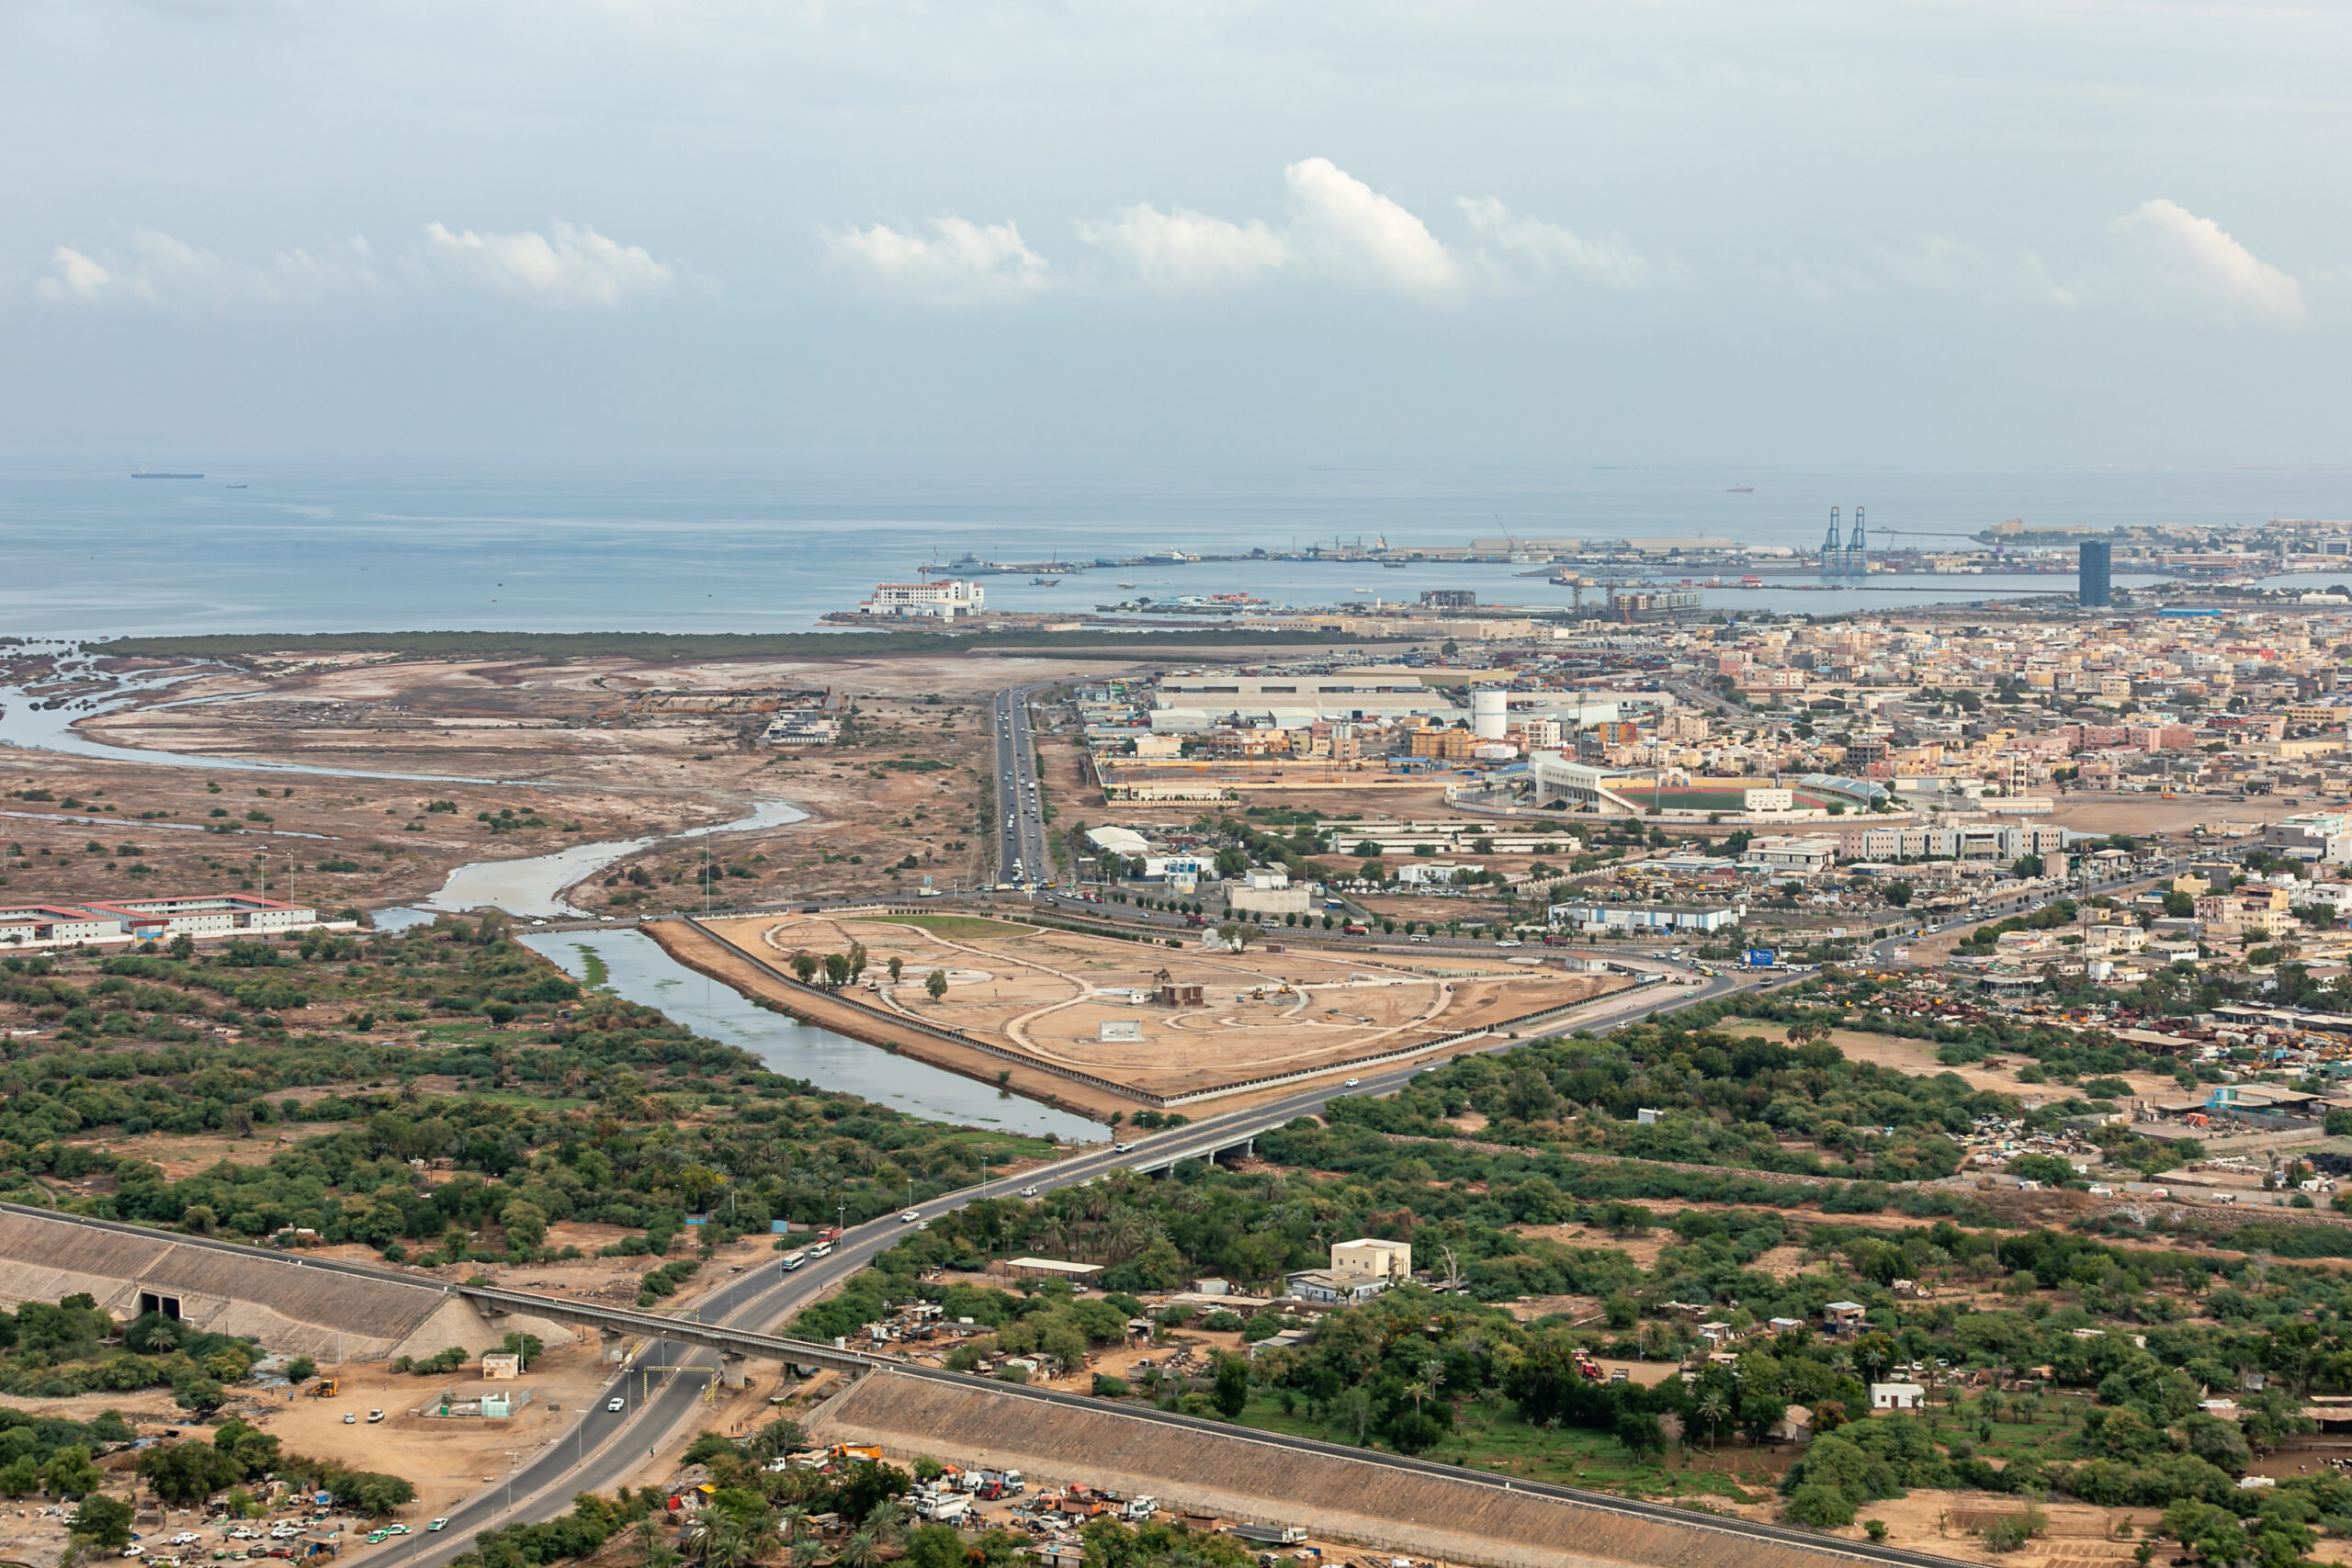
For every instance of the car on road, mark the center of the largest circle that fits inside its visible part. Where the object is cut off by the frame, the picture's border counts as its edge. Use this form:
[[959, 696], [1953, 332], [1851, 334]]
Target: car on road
[[616, 1402], [1029, 1192], [440, 1524], [1510, 941], [910, 1217], [1416, 938], [1351, 1083], [1121, 1148], [396, 1530]]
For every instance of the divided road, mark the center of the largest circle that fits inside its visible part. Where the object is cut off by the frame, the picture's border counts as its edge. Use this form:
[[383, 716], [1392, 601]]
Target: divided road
[[1021, 820]]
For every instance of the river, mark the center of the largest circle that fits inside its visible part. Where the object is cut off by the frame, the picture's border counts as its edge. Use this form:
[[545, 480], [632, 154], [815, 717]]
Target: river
[[638, 969], [534, 888]]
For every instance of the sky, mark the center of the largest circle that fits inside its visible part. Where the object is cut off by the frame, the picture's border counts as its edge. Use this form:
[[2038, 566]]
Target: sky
[[1879, 233]]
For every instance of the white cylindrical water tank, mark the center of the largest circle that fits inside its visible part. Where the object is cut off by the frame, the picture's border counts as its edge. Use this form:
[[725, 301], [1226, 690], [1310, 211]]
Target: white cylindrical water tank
[[1489, 715]]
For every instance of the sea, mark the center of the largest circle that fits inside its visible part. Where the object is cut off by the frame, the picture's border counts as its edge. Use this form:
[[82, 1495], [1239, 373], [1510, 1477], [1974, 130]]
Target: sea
[[88, 551]]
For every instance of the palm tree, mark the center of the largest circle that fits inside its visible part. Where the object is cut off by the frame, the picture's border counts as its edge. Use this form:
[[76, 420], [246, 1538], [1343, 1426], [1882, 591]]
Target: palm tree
[[1712, 1410], [1426, 1377], [860, 1551], [887, 1522]]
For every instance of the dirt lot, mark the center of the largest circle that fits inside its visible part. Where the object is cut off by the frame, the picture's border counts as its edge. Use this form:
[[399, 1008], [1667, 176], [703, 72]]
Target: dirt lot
[[1086, 1003], [1916, 1057], [2145, 813]]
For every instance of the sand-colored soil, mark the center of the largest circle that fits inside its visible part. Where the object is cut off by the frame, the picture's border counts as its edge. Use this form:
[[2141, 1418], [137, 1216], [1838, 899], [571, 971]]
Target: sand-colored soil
[[598, 749], [1919, 1058], [2145, 814], [1088, 1004]]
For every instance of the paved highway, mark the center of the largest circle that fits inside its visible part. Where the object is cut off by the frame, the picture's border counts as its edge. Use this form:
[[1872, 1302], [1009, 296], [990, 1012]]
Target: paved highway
[[1021, 820], [602, 1448]]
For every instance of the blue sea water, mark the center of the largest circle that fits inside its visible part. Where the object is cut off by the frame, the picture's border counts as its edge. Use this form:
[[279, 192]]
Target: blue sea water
[[86, 552]]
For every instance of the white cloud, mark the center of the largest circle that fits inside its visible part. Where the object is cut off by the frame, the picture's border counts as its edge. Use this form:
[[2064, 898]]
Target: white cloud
[[2196, 255], [958, 261], [78, 276], [570, 268], [1186, 249], [158, 269], [1945, 265], [1610, 259], [1345, 220]]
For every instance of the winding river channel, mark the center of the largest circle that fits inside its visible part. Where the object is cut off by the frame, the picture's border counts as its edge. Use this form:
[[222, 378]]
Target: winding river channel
[[634, 965]]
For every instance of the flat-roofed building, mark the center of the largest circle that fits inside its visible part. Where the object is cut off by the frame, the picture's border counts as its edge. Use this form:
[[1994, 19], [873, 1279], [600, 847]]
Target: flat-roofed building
[[1370, 1255], [215, 914], [1047, 1268], [43, 925]]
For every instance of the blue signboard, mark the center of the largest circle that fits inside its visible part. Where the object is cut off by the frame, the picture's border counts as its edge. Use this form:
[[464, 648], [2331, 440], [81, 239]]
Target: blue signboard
[[1762, 957]]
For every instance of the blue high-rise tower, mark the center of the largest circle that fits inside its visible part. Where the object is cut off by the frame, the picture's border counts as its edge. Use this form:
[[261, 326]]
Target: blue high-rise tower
[[2091, 585]]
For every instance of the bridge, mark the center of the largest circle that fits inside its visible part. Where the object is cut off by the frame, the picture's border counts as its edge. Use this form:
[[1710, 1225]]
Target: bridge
[[614, 1325]]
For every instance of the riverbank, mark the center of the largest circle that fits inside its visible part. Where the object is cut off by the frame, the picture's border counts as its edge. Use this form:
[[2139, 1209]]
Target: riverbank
[[699, 952], [632, 964]]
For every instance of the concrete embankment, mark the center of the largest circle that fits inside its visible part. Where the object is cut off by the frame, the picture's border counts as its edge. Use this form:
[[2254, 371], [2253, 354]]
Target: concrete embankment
[[683, 941], [1245, 1480]]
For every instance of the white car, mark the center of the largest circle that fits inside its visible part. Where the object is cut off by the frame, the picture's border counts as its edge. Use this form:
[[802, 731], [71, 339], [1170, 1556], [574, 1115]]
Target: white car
[[616, 1402], [1351, 1083], [910, 1217], [1510, 941], [1029, 1192]]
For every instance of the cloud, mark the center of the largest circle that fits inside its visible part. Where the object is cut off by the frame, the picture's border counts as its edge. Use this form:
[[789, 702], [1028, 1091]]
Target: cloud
[[1610, 259], [157, 269], [1185, 249], [1344, 220], [1945, 265], [959, 261], [2196, 255], [570, 268], [78, 276]]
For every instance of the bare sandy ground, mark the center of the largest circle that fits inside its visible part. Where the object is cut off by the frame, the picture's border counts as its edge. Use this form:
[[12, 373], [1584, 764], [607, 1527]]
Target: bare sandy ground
[[1087, 1003]]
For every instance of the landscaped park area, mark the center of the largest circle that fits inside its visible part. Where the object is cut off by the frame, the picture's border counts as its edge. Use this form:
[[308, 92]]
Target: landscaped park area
[[1166, 1020]]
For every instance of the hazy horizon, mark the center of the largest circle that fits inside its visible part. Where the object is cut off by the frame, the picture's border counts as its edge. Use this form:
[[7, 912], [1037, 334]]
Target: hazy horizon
[[1769, 237]]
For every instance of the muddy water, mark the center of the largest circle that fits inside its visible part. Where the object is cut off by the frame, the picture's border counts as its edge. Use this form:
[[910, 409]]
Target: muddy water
[[639, 970], [535, 887]]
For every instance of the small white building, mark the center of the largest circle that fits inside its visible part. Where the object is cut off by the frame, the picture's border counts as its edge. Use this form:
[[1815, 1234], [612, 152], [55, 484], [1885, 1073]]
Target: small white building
[[1897, 1395], [1768, 799], [1336, 1287]]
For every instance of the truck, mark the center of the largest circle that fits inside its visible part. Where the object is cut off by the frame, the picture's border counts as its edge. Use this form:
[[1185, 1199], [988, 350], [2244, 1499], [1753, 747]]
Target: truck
[[1272, 1534], [1139, 1510], [943, 1508]]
